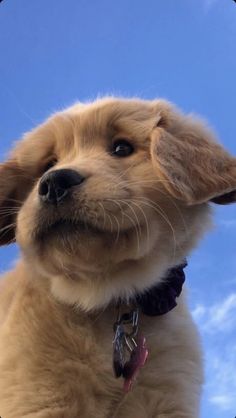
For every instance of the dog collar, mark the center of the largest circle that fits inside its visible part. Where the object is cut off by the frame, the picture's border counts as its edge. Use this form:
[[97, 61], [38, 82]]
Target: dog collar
[[127, 342], [161, 298]]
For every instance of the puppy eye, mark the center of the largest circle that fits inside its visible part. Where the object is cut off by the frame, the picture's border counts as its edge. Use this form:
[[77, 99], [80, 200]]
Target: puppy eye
[[49, 164], [122, 148]]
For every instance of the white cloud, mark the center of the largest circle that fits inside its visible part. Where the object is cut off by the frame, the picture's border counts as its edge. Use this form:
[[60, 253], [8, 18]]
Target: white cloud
[[217, 324], [199, 312], [223, 401], [218, 317], [221, 385]]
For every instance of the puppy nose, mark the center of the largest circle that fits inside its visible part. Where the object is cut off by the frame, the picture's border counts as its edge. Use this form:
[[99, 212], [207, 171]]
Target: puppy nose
[[55, 185]]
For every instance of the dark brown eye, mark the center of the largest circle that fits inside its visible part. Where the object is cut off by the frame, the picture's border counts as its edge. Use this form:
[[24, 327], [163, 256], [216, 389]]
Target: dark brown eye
[[122, 148], [49, 164]]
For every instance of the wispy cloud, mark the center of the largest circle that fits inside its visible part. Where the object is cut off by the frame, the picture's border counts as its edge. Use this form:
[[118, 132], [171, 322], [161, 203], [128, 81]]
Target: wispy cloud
[[217, 324], [223, 401], [199, 312], [218, 317], [221, 387]]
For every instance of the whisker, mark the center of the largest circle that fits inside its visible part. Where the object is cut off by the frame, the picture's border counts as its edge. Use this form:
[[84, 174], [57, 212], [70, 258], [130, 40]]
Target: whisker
[[146, 222], [165, 217], [9, 208], [6, 215], [125, 171], [104, 214], [133, 211], [5, 229], [9, 199], [134, 225], [144, 182], [118, 229], [149, 203], [110, 222], [8, 211], [145, 218]]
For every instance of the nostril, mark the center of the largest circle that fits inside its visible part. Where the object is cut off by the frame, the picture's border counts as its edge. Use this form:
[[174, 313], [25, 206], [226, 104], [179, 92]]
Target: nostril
[[43, 188], [60, 194]]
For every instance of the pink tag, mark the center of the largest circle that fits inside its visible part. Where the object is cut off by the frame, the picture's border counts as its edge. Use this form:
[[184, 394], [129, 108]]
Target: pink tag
[[137, 360]]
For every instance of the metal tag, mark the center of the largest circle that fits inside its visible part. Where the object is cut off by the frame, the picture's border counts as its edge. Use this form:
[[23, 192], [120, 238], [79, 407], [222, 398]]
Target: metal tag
[[119, 350]]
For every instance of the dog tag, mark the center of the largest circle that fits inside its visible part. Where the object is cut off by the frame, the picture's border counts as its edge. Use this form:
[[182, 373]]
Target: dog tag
[[137, 360], [119, 350]]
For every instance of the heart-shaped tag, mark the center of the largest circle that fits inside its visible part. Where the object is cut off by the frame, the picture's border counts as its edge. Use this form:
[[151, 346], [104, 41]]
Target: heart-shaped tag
[[137, 360]]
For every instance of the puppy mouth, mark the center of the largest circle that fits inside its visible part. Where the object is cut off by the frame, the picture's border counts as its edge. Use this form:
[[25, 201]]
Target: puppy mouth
[[64, 227]]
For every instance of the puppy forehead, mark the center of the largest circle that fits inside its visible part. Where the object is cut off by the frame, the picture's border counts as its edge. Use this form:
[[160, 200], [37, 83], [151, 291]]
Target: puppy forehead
[[108, 117], [112, 109]]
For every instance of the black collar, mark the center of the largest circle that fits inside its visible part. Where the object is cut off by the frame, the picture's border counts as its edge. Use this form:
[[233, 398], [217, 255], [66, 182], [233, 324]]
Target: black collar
[[161, 298]]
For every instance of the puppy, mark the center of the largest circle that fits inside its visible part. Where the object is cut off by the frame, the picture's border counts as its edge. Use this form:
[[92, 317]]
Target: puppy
[[106, 200]]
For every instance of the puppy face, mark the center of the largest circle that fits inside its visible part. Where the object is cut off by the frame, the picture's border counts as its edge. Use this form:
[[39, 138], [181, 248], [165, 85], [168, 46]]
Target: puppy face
[[104, 191]]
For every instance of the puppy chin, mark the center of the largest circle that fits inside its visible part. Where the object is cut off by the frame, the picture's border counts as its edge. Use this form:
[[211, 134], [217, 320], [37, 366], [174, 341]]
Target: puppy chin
[[91, 295]]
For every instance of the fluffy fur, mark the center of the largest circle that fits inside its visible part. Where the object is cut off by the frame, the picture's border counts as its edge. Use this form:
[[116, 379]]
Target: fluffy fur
[[131, 220]]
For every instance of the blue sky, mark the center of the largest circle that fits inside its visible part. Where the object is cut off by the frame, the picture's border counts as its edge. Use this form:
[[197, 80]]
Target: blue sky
[[52, 53]]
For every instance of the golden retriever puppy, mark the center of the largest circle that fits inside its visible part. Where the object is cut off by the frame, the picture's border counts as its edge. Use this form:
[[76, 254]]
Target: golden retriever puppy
[[105, 200]]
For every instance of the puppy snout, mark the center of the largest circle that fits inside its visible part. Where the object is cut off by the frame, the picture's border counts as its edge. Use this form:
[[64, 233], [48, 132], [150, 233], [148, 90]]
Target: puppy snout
[[55, 185]]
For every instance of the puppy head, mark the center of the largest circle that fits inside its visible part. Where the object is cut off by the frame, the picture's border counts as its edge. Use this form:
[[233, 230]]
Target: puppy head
[[103, 197]]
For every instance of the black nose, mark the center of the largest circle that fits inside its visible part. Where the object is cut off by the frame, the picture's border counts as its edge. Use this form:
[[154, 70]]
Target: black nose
[[54, 186]]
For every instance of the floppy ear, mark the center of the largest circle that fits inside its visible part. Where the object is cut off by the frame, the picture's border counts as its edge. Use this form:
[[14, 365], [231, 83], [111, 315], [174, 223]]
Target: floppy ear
[[14, 186], [193, 167]]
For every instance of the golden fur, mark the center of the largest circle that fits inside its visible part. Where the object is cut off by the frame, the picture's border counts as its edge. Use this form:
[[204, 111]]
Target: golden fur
[[131, 220]]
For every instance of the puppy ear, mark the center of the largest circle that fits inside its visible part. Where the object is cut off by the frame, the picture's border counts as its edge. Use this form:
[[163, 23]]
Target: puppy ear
[[14, 185], [193, 167]]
